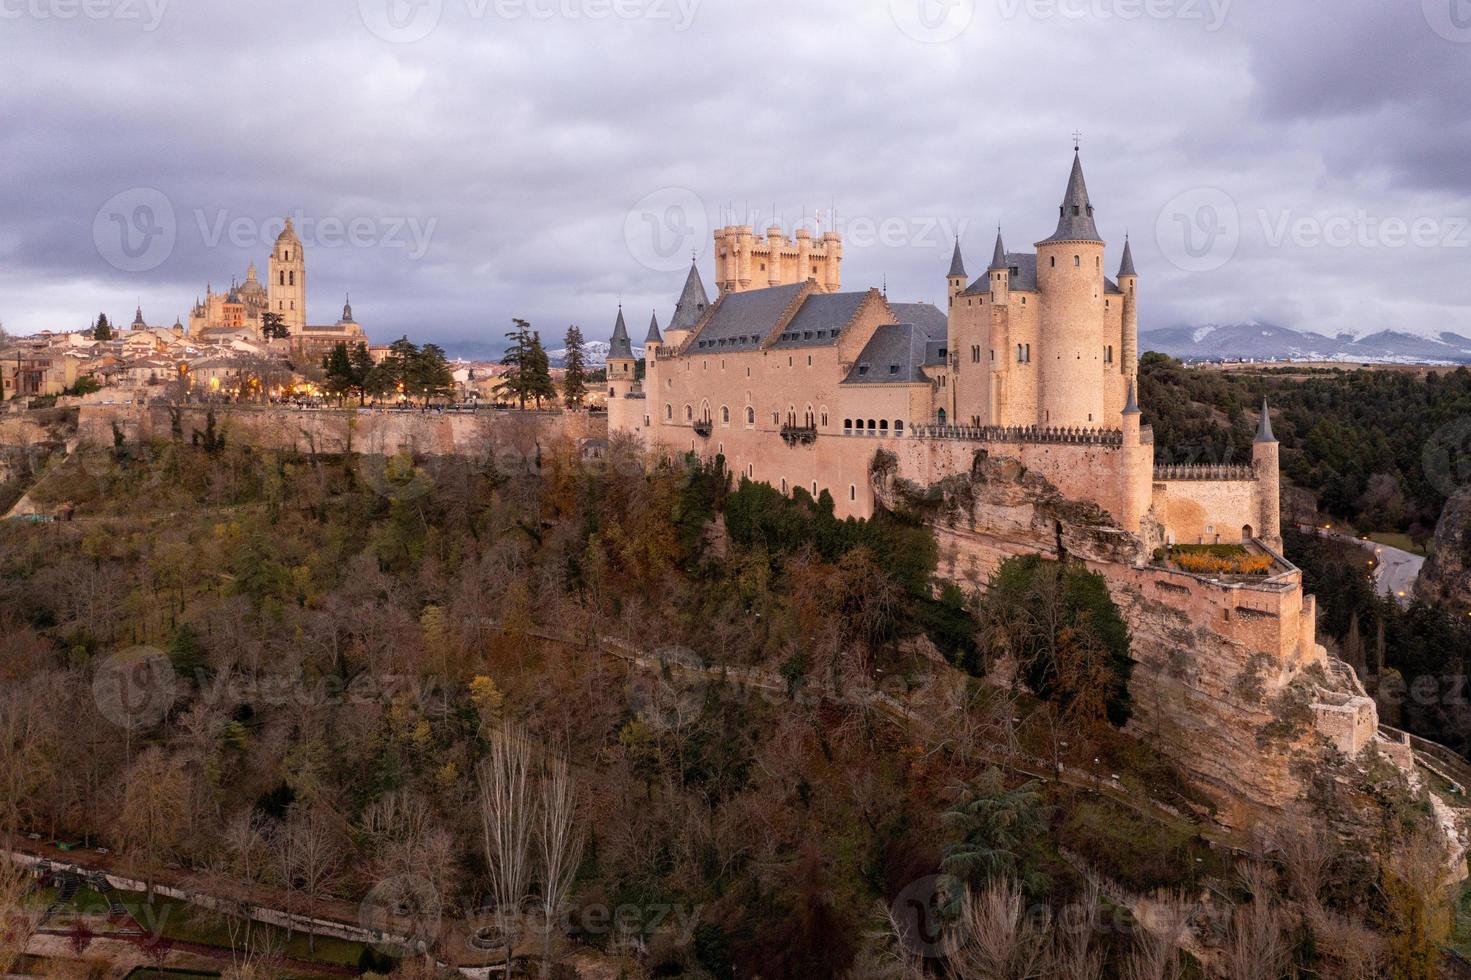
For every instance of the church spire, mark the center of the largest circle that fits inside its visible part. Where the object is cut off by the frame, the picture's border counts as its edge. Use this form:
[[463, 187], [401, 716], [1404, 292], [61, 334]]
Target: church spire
[[957, 264], [1075, 216]]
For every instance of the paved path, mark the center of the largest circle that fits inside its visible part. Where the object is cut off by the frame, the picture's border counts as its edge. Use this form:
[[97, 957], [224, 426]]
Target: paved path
[[1397, 572]]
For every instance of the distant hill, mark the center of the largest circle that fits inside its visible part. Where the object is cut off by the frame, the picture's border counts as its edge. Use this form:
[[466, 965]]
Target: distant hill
[[1266, 342]]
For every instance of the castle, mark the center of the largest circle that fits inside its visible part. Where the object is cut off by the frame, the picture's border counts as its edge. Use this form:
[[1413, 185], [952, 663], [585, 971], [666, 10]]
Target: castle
[[1011, 420], [238, 313], [796, 383]]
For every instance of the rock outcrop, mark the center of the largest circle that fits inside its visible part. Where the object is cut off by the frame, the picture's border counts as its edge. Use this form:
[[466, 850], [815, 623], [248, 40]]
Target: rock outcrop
[[1446, 576]]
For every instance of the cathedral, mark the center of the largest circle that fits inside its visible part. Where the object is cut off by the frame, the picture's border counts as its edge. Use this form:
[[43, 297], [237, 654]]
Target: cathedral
[[239, 313], [796, 383]]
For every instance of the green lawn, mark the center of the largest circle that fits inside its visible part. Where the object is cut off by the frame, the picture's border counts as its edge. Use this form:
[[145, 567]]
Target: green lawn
[[1400, 541]]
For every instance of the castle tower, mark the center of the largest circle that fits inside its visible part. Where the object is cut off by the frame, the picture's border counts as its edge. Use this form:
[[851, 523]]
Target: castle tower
[[688, 309], [286, 287], [1129, 343], [1137, 471], [955, 278], [1265, 459], [621, 363], [999, 273], [1070, 279]]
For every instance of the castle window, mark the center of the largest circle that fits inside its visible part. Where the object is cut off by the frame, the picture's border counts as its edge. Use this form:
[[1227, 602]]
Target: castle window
[[1077, 261], [899, 426], [783, 484], [893, 369], [750, 415], [824, 419], [689, 413], [883, 425], [1053, 261], [809, 360], [847, 427], [1029, 353], [862, 370], [669, 412], [293, 278], [724, 415], [610, 393], [852, 491]]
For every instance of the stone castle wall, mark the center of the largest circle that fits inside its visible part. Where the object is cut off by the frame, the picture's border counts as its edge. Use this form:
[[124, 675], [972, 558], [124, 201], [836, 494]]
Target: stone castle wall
[[337, 431]]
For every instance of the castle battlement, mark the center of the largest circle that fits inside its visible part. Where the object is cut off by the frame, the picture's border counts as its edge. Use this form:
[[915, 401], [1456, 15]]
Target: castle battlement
[[1028, 433], [1203, 472]]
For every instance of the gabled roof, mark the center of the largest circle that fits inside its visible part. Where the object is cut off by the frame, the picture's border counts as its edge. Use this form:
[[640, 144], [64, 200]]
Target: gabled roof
[[930, 319], [895, 354], [692, 302], [1075, 216], [820, 319], [741, 321]]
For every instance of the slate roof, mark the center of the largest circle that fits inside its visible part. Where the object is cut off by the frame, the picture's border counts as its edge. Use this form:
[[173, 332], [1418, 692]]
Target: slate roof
[[895, 354], [820, 319], [1126, 267], [998, 254], [742, 320], [618, 344], [1023, 278], [1075, 216], [653, 336], [1264, 427], [692, 302], [957, 265], [930, 319]]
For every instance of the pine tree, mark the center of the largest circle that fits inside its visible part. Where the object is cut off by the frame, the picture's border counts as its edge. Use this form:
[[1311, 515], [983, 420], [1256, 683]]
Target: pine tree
[[542, 386], [574, 385], [529, 377], [362, 371], [103, 329], [273, 326], [337, 366], [433, 376]]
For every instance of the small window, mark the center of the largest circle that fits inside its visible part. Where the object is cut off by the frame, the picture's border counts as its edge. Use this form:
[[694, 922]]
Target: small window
[[852, 491], [899, 426], [1077, 261], [893, 369], [724, 415], [669, 412]]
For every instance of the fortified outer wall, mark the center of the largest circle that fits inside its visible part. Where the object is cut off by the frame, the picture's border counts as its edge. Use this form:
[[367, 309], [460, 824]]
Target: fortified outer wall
[[1208, 511], [337, 431]]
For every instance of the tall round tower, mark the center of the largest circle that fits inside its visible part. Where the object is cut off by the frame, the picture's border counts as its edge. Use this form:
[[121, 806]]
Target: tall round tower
[[1129, 343], [1070, 280], [286, 290], [1265, 460]]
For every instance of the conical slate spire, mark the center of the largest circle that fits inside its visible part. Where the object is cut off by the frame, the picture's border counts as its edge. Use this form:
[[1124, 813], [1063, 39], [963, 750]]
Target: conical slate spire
[[998, 257], [957, 265], [692, 302], [1126, 267], [654, 336], [1264, 427], [1131, 405], [618, 345], [1075, 217]]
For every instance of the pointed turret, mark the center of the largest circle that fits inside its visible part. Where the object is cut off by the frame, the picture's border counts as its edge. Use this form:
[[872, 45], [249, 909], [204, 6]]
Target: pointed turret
[[1075, 216], [1264, 427], [692, 302], [138, 322], [653, 338], [998, 255], [1126, 267], [957, 264], [347, 309], [619, 347], [1131, 404]]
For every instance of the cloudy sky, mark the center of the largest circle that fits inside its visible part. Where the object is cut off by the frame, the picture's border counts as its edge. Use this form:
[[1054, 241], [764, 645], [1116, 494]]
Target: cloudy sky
[[455, 163]]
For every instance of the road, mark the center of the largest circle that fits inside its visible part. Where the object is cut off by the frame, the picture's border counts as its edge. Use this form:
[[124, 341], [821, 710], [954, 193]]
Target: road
[[1397, 571]]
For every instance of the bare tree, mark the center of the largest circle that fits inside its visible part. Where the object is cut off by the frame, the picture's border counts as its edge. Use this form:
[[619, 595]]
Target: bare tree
[[560, 841], [315, 854], [155, 790], [994, 937], [17, 924], [507, 818]]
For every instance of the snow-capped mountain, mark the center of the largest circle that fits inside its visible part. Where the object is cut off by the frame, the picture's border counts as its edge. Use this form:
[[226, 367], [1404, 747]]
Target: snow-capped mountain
[[594, 354], [1266, 341]]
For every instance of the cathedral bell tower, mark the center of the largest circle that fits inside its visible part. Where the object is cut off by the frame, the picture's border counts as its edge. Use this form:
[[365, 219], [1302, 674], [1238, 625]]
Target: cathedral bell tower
[[286, 286]]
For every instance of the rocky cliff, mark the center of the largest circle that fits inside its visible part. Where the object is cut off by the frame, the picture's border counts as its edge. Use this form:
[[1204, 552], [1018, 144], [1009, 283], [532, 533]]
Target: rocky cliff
[[1446, 576]]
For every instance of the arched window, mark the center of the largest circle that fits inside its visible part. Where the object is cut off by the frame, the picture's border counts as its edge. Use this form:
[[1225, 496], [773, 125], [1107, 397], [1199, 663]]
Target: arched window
[[872, 425], [750, 415], [883, 425], [689, 413], [1077, 261], [1246, 532], [669, 411], [852, 491], [899, 426], [824, 418], [941, 416], [724, 415], [847, 426]]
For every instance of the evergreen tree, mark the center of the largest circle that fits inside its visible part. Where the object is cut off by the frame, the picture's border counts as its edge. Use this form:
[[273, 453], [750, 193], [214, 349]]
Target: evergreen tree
[[338, 369], [432, 375], [574, 385], [529, 377], [103, 329], [362, 371], [273, 326]]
